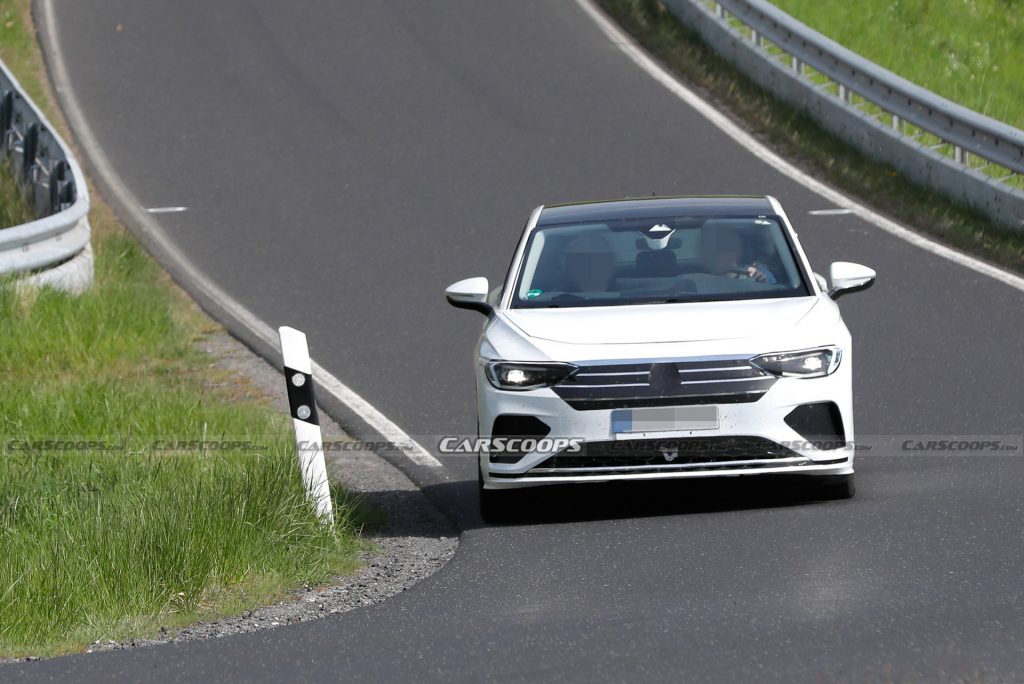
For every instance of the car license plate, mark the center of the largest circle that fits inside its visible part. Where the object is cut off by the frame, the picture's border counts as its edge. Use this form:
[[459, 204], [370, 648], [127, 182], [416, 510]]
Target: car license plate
[[664, 419]]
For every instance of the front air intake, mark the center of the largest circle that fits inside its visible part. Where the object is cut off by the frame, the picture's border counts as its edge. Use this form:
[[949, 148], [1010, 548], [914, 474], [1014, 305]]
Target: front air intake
[[821, 424], [521, 427]]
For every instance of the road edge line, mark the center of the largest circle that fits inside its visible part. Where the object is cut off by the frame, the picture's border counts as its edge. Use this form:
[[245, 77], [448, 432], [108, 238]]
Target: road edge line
[[186, 270]]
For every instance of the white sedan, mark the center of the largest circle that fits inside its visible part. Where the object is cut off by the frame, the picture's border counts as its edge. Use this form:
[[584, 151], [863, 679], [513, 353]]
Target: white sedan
[[662, 338]]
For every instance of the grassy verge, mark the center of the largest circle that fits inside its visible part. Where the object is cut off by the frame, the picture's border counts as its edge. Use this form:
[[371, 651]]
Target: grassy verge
[[967, 51], [798, 138], [115, 544]]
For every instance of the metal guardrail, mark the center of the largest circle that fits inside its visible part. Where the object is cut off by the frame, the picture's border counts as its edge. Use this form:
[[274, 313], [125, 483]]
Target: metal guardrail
[[972, 158], [54, 249]]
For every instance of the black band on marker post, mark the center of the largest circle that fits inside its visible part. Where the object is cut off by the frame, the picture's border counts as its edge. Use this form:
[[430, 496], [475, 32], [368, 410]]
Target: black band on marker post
[[300, 396]]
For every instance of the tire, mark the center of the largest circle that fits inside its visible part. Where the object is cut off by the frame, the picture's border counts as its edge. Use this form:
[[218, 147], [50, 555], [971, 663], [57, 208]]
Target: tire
[[838, 488], [496, 506]]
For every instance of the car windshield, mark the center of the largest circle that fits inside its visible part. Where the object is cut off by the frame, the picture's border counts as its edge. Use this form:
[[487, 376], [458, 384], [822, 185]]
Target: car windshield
[[660, 260]]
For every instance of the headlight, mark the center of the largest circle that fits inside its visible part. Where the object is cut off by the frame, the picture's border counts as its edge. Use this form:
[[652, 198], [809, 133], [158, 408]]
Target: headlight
[[813, 363], [508, 375]]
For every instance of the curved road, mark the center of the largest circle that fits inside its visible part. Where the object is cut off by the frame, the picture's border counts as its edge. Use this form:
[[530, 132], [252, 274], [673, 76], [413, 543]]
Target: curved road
[[343, 162]]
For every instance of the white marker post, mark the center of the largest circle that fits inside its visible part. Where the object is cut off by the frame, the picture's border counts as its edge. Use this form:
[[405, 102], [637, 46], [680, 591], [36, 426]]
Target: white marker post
[[308, 439]]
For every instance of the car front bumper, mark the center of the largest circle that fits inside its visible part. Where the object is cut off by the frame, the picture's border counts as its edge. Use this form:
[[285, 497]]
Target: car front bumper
[[677, 453]]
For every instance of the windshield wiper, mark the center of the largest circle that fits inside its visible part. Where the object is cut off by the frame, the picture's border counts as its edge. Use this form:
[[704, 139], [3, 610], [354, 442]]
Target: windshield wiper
[[666, 300]]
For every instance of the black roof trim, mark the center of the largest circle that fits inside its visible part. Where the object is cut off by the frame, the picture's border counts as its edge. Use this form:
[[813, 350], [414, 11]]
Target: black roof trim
[[655, 207]]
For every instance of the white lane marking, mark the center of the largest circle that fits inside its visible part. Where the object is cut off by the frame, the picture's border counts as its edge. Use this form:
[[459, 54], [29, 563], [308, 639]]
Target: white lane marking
[[166, 210], [87, 139], [829, 212], [634, 52], [391, 432]]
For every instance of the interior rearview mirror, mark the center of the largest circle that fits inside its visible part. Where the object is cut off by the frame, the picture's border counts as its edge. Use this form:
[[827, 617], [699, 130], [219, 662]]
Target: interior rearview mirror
[[847, 277], [470, 293]]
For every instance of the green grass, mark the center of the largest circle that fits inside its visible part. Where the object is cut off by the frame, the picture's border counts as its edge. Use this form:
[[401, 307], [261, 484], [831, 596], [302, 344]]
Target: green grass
[[19, 50], [117, 546], [14, 207], [101, 545], [966, 50], [108, 545], [801, 140]]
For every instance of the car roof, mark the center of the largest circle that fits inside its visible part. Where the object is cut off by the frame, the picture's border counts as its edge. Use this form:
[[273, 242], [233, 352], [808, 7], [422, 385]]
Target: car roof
[[655, 207]]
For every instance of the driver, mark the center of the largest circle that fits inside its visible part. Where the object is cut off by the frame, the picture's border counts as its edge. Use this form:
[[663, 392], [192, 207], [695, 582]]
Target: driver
[[729, 260]]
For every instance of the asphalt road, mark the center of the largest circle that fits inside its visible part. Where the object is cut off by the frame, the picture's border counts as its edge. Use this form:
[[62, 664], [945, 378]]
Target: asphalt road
[[343, 162]]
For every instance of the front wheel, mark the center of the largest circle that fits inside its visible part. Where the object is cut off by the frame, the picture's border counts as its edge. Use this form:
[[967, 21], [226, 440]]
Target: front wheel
[[838, 487], [496, 505]]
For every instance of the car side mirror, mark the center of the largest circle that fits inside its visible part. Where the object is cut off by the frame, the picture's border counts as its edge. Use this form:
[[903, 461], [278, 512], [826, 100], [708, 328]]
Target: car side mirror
[[822, 283], [470, 293], [847, 277]]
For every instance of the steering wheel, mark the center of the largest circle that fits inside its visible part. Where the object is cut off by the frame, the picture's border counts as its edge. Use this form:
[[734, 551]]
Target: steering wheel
[[735, 272]]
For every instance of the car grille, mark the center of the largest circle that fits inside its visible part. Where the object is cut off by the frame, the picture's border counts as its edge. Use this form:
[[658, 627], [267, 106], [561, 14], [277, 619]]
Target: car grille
[[665, 455], [672, 383]]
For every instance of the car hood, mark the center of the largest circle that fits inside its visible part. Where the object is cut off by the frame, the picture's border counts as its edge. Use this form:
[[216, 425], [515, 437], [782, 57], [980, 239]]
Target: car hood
[[661, 323]]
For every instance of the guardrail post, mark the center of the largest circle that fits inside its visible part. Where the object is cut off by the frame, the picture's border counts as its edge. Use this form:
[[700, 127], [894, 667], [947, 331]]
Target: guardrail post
[[298, 375], [58, 185], [28, 152], [719, 10], [6, 116]]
